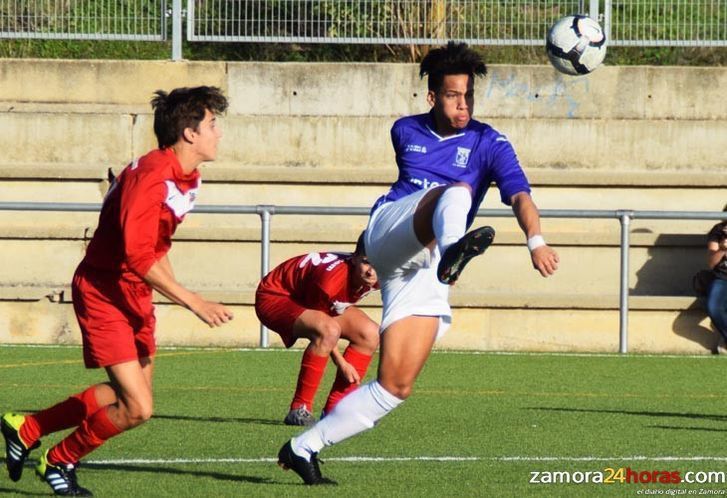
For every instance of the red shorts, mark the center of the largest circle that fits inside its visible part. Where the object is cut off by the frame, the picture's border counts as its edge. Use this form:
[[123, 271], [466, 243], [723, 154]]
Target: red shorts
[[278, 312], [116, 317]]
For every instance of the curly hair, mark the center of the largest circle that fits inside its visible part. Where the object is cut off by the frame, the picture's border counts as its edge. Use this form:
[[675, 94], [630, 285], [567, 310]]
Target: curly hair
[[183, 108], [455, 58]]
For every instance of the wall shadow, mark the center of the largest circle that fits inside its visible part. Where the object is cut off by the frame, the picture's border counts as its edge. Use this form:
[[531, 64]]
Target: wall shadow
[[673, 261], [688, 324]]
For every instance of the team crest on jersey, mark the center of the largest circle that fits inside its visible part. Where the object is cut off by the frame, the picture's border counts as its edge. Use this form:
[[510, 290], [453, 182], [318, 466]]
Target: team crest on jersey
[[463, 155]]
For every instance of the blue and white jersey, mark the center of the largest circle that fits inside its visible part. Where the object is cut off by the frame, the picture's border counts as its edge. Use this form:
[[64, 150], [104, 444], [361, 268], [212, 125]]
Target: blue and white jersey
[[478, 155]]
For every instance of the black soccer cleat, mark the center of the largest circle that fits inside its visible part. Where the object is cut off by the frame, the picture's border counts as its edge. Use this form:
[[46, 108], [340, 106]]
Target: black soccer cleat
[[16, 452], [310, 472], [60, 477], [461, 252]]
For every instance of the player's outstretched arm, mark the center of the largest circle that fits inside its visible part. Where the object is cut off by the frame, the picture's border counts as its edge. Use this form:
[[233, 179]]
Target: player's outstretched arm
[[161, 277], [544, 257]]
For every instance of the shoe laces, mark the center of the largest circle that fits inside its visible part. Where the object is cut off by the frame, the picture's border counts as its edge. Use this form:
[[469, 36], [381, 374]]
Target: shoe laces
[[68, 471], [302, 413]]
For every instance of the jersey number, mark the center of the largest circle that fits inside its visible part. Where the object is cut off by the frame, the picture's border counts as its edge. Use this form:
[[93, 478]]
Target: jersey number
[[315, 259]]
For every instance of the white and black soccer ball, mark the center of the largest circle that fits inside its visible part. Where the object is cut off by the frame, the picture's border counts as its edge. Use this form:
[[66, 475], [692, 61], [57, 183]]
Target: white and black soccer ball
[[576, 45]]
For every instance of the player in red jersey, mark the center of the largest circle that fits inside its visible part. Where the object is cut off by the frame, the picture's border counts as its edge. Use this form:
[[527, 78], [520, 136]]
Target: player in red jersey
[[313, 296], [112, 291]]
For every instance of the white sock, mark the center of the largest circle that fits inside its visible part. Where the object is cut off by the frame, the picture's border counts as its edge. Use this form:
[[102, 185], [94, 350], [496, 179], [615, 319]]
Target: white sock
[[355, 413], [450, 216]]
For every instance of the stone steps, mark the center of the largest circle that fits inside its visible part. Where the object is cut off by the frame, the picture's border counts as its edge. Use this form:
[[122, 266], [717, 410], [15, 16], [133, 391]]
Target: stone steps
[[325, 89], [624, 138], [589, 270], [547, 196], [458, 299], [355, 141], [682, 328], [363, 174]]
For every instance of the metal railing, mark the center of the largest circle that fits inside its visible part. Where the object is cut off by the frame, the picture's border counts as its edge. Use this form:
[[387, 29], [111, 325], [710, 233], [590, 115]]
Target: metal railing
[[478, 22], [378, 21], [701, 23], [624, 216], [695, 23], [84, 19]]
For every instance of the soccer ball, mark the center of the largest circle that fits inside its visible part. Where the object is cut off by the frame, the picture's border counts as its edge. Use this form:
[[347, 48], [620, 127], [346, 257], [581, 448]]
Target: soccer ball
[[576, 45]]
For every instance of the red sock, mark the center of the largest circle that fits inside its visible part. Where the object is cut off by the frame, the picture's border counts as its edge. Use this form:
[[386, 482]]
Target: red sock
[[92, 433], [66, 414], [341, 386], [312, 368]]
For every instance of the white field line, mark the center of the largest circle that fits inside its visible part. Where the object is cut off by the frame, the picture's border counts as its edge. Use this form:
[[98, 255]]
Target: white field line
[[436, 351], [368, 459]]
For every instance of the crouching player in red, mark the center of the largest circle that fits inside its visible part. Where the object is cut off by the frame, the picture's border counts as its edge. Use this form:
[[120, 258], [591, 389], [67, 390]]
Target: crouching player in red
[[112, 291], [313, 297]]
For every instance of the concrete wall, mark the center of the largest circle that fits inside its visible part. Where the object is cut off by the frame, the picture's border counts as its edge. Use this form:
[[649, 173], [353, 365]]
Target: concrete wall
[[318, 134]]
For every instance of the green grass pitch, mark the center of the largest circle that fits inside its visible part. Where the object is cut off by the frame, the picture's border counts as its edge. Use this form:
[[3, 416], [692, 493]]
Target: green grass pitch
[[476, 425]]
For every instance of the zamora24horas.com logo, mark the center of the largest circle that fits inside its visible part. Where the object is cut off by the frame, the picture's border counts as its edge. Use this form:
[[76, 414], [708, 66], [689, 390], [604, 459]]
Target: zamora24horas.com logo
[[627, 475]]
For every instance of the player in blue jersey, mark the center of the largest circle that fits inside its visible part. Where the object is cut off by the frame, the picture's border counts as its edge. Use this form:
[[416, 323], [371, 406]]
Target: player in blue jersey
[[417, 243]]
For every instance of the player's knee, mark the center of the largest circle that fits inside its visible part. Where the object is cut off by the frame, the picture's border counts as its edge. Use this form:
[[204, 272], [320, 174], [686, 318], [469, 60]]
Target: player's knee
[[368, 338], [400, 389], [142, 415], [137, 413], [328, 335], [146, 413], [402, 392]]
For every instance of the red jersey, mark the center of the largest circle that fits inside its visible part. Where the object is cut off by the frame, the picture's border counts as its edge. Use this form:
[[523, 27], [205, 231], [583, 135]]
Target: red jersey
[[318, 281], [140, 213]]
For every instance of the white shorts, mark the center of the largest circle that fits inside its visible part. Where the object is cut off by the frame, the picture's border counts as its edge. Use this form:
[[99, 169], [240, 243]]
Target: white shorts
[[407, 270]]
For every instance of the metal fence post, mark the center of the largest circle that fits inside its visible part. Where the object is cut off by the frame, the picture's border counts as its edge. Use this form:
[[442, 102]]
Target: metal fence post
[[607, 6], [623, 306], [265, 213], [593, 9], [176, 30]]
